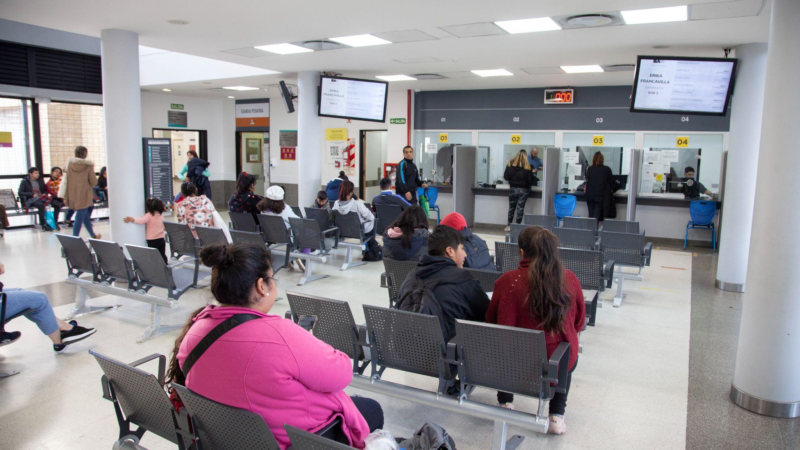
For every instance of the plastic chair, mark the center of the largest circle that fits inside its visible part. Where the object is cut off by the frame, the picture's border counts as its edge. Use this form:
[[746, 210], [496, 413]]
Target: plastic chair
[[433, 194], [702, 213], [564, 205]]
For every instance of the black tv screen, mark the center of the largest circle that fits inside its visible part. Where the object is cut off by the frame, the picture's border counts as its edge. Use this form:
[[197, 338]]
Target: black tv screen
[[351, 98], [683, 85], [287, 97]]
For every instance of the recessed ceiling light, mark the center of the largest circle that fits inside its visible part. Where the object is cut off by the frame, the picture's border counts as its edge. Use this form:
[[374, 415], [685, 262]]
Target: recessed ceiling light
[[178, 22], [361, 40], [581, 69], [230, 96], [240, 88], [493, 73], [284, 49], [656, 15], [528, 25], [167, 90], [396, 78]]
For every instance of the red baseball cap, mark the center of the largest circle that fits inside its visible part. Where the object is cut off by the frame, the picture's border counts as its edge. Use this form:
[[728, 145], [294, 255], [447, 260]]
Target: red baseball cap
[[455, 220]]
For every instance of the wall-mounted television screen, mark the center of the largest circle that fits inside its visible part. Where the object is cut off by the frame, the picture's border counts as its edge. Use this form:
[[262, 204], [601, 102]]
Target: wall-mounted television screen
[[683, 85], [351, 98]]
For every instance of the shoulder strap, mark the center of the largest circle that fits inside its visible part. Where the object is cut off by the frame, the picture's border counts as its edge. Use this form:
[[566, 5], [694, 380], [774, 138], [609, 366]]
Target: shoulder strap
[[227, 325]]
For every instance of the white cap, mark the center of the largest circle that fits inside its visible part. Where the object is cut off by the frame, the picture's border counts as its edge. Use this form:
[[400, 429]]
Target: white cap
[[275, 193]]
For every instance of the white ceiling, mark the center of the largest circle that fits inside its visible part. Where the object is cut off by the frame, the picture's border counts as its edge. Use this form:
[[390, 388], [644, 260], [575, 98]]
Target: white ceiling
[[216, 27]]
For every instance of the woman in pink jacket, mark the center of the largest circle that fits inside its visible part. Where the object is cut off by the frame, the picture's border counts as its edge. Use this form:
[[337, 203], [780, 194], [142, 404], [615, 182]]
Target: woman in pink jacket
[[269, 365]]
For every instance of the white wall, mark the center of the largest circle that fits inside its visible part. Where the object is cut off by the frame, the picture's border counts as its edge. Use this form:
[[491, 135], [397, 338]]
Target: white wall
[[216, 116]]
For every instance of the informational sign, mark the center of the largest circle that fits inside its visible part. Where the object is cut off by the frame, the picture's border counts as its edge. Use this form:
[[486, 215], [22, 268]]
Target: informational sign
[[648, 178], [651, 156], [287, 138], [252, 115], [349, 98], [176, 106], [443, 138], [5, 139], [177, 119], [431, 148], [253, 150], [668, 156], [336, 151], [682, 141], [598, 140], [336, 134], [398, 121], [683, 85], [158, 169], [516, 139], [289, 153]]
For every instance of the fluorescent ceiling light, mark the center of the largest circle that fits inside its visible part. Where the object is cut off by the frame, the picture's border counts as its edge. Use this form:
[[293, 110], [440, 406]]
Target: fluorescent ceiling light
[[582, 69], [396, 78], [241, 88], [284, 49], [361, 40], [656, 15], [493, 73], [528, 25], [167, 90], [230, 96]]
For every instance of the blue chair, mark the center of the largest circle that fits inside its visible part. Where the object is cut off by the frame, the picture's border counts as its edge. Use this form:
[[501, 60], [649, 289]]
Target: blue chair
[[432, 193], [702, 213], [564, 205]]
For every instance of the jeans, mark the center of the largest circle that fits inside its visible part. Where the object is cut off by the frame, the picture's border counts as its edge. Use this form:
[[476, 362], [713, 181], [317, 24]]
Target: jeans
[[69, 214], [41, 312], [83, 217], [516, 202], [56, 204], [558, 404], [371, 410]]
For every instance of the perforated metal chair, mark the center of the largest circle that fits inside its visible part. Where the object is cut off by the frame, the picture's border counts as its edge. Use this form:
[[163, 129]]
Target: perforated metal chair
[[621, 226], [487, 278], [303, 440], [277, 235], [576, 238], [592, 272], [334, 324], [564, 205], [513, 234], [580, 223], [409, 342], [307, 234], [386, 215], [181, 240], [79, 258], [297, 211], [248, 237], [114, 265], [507, 255], [396, 274], [221, 427], [547, 222], [210, 236], [625, 249], [154, 272], [321, 216], [243, 222], [350, 227], [139, 399], [702, 213]]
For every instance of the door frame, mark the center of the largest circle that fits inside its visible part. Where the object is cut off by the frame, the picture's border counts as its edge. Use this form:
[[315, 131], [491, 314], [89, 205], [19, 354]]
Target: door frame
[[202, 140], [362, 161]]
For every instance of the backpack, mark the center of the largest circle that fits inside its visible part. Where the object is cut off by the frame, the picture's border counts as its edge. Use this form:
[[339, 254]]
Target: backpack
[[417, 296], [374, 251]]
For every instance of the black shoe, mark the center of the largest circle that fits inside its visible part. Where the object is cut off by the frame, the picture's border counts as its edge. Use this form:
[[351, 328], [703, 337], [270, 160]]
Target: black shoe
[[77, 333], [46, 228], [9, 337]]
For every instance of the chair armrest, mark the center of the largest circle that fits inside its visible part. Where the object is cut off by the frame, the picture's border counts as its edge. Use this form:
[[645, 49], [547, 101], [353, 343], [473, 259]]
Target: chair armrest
[[330, 428], [647, 252], [363, 335], [162, 364], [596, 243], [106, 389], [558, 367], [288, 315], [508, 237], [608, 272]]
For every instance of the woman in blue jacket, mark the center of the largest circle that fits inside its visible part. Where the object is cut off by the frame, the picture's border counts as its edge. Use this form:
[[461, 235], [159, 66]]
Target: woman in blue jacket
[[407, 237]]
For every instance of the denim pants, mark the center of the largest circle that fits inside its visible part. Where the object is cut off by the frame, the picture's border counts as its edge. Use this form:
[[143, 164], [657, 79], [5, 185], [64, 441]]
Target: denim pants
[[516, 202], [41, 313], [83, 217]]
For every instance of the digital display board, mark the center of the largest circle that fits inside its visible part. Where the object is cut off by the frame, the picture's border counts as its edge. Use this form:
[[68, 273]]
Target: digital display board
[[350, 98]]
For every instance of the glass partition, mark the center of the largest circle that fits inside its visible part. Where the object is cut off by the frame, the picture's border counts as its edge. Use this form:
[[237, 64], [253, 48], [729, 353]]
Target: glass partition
[[671, 155], [615, 148], [501, 147], [434, 153]]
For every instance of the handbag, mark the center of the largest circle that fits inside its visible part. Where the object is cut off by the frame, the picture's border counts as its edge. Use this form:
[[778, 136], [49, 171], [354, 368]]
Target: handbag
[[212, 336], [49, 218]]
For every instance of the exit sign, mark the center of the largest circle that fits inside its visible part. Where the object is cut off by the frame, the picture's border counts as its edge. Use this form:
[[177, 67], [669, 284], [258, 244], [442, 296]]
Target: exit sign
[[175, 106], [400, 121]]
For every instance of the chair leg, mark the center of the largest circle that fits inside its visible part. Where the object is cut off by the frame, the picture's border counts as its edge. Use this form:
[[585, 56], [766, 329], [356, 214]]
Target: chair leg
[[155, 327], [81, 309], [714, 238], [619, 279], [349, 260], [307, 276], [685, 238], [500, 440]]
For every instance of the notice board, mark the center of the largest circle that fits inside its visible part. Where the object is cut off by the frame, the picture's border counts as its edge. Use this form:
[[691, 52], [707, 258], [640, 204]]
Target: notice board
[[158, 169]]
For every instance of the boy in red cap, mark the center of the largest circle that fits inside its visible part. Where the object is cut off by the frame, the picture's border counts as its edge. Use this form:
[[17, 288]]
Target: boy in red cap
[[477, 251]]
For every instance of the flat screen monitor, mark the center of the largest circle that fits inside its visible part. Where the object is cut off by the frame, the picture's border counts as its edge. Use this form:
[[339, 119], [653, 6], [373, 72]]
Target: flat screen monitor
[[351, 98], [286, 95], [683, 85]]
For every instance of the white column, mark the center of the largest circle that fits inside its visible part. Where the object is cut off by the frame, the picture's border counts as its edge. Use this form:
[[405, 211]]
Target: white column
[[309, 141], [768, 358], [122, 108], [740, 188]]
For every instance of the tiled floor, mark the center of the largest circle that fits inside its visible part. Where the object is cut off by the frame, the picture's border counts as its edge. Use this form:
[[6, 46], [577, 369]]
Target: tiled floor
[[636, 382]]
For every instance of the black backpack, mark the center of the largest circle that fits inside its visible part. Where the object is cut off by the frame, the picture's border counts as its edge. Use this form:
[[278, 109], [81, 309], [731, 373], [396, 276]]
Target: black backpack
[[417, 296], [374, 251]]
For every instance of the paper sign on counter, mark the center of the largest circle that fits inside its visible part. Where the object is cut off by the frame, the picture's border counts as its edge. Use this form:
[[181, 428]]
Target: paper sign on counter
[[572, 157], [648, 176], [651, 156], [431, 148], [669, 156]]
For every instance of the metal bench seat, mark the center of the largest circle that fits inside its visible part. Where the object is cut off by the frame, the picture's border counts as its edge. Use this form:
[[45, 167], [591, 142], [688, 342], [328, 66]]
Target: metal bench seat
[[306, 233], [487, 278], [114, 265], [210, 236], [508, 256], [547, 222], [580, 223], [621, 226], [396, 274], [626, 249], [515, 230], [80, 260], [350, 227], [181, 240], [385, 215], [593, 273], [277, 235], [577, 238], [243, 222]]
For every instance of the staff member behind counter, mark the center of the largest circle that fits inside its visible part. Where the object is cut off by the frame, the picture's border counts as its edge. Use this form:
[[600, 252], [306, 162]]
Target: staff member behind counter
[[534, 160], [408, 176], [693, 188]]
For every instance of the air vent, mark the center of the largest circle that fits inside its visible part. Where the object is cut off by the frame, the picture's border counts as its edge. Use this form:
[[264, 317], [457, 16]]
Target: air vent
[[320, 44], [620, 68], [428, 76], [589, 20]]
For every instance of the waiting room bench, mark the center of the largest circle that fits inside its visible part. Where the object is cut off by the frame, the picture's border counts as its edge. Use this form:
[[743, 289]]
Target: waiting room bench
[[626, 250], [593, 273]]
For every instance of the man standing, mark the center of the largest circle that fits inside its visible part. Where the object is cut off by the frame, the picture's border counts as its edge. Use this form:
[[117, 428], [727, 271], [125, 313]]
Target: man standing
[[535, 162], [408, 177], [33, 194]]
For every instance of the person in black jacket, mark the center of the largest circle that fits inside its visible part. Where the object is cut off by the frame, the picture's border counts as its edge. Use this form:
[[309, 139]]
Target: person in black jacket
[[408, 176], [600, 187], [387, 197], [407, 237], [520, 178], [458, 295], [33, 194]]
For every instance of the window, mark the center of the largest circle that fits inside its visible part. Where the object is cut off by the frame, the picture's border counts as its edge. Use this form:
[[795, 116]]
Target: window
[[65, 126], [15, 159]]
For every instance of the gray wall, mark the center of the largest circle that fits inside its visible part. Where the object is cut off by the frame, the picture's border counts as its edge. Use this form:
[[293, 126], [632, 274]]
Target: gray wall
[[524, 109]]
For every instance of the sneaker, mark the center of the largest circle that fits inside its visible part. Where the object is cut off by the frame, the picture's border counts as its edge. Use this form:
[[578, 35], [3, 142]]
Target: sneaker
[[77, 333], [557, 425], [507, 228], [508, 406], [300, 265], [9, 337]]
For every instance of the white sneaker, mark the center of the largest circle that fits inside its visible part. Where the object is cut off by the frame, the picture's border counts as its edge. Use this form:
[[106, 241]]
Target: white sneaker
[[507, 406], [557, 426], [508, 228]]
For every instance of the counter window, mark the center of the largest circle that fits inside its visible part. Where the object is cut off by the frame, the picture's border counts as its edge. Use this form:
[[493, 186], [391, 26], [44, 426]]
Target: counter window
[[578, 152], [495, 150], [434, 153], [681, 165]]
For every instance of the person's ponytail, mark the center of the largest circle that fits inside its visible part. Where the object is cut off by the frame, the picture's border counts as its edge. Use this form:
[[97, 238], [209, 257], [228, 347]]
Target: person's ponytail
[[548, 301]]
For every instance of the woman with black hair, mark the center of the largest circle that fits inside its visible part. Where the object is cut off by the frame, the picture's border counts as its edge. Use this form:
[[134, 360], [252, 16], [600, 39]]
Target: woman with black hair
[[244, 200], [264, 363], [407, 237], [348, 203], [101, 190], [541, 295]]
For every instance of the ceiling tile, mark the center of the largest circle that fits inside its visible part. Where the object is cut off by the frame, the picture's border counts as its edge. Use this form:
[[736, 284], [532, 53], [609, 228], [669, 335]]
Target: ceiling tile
[[248, 52], [474, 30], [465, 74], [405, 36], [424, 59], [543, 70]]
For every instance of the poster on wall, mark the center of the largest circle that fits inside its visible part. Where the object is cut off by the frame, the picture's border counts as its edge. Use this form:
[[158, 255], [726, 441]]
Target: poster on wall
[[335, 150], [5, 139], [252, 114], [287, 138], [158, 169], [253, 150], [288, 153], [336, 134], [177, 119]]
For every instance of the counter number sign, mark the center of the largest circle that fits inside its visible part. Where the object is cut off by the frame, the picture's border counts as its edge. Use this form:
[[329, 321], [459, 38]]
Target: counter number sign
[[597, 140], [682, 141], [516, 139], [443, 138]]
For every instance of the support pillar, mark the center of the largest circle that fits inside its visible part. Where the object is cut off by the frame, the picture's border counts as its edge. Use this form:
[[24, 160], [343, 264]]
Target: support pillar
[[309, 142], [122, 108], [745, 138], [767, 365]]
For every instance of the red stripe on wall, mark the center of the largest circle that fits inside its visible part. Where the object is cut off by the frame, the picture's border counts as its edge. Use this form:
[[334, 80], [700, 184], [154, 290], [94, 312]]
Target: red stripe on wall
[[408, 121]]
